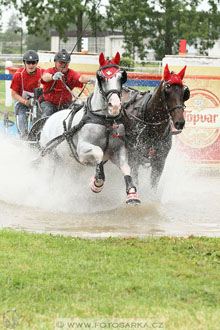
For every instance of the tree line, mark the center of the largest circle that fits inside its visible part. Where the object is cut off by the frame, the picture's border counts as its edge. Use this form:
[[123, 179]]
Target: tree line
[[146, 24]]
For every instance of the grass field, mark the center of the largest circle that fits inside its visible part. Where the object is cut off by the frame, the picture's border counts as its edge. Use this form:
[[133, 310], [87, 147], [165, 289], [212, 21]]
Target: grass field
[[168, 283]]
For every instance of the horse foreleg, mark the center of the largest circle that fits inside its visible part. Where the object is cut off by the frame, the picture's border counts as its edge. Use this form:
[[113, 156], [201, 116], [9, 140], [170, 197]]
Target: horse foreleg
[[156, 172], [135, 174], [132, 196], [97, 181], [89, 153]]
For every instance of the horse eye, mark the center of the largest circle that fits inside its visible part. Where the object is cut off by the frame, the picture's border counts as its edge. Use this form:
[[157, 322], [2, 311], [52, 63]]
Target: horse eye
[[100, 75]]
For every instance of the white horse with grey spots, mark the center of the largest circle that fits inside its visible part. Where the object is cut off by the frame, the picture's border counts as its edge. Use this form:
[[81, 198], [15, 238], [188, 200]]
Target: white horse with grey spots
[[95, 133]]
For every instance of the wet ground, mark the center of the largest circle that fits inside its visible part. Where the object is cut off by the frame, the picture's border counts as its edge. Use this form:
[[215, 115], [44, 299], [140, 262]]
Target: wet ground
[[37, 199]]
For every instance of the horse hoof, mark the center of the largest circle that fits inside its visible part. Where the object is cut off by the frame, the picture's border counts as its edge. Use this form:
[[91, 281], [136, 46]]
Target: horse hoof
[[93, 187], [132, 198]]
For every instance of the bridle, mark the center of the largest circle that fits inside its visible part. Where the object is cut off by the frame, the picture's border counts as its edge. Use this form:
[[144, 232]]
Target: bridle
[[166, 108], [169, 110], [100, 77]]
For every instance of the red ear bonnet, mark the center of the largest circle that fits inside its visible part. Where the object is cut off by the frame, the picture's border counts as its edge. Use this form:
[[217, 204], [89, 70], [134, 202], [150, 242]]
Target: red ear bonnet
[[182, 73], [166, 73], [116, 59], [101, 59], [173, 78], [110, 71]]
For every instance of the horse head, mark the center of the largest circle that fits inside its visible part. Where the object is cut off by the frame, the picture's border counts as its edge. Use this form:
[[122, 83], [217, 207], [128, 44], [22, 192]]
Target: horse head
[[174, 95], [110, 79]]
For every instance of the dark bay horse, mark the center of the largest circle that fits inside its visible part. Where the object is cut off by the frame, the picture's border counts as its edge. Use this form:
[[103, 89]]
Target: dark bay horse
[[148, 122]]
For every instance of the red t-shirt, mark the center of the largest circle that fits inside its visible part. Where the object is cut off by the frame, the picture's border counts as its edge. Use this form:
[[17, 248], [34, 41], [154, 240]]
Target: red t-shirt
[[60, 95], [22, 81]]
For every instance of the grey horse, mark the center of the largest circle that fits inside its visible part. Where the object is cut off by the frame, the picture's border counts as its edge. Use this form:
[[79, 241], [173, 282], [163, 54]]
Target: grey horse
[[95, 133]]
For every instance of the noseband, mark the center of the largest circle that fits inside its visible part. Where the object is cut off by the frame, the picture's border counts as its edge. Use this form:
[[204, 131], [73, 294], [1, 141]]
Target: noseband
[[107, 95], [169, 110]]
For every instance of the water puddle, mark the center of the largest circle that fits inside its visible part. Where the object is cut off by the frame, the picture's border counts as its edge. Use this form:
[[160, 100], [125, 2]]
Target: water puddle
[[44, 200]]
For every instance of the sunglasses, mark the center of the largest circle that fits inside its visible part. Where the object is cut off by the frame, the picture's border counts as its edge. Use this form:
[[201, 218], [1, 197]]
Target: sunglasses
[[31, 62]]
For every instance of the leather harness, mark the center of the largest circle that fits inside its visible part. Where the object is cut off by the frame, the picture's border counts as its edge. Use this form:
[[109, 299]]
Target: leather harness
[[69, 132]]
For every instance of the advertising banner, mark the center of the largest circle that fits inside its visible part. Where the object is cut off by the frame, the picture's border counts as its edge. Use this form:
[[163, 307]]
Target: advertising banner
[[200, 139]]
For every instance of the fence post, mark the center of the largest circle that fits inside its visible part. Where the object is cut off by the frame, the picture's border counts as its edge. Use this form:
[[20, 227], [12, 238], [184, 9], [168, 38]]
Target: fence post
[[8, 97]]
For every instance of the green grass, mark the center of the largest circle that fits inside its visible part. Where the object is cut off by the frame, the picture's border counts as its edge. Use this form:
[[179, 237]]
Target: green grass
[[172, 281]]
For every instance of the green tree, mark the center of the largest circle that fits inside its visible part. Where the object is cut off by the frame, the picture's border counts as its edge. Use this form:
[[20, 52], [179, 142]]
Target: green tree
[[163, 23], [13, 23], [13, 38], [61, 14], [168, 24], [130, 16], [209, 26], [37, 42], [96, 23], [0, 20], [12, 43]]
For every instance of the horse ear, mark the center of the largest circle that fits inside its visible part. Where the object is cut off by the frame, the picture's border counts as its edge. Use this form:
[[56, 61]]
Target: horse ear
[[116, 59], [101, 59], [186, 95], [182, 73], [166, 73]]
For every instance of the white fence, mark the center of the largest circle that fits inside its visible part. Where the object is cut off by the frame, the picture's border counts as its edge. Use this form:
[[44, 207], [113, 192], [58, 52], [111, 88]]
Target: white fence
[[10, 57], [49, 56]]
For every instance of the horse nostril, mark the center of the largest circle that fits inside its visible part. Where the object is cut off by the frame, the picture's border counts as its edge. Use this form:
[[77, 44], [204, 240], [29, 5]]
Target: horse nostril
[[179, 124]]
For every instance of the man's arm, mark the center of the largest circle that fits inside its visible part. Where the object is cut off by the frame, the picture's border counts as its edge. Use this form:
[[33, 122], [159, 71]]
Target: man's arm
[[18, 97], [85, 79], [47, 77]]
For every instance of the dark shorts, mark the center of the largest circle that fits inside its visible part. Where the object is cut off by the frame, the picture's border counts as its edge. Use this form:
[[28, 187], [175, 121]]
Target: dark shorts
[[48, 108]]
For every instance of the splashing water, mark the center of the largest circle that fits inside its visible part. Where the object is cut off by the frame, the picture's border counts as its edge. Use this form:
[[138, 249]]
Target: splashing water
[[59, 201]]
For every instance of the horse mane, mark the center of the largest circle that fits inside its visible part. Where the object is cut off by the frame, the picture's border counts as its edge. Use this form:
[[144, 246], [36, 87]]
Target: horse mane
[[156, 95]]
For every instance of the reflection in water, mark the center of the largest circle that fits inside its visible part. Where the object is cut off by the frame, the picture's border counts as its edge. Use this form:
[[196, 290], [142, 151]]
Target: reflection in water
[[59, 201]]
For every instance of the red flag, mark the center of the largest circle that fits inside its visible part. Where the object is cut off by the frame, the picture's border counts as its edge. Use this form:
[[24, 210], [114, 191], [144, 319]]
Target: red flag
[[182, 47]]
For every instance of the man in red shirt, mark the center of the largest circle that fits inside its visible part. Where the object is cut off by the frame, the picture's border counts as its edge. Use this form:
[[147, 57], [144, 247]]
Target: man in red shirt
[[24, 81], [57, 83]]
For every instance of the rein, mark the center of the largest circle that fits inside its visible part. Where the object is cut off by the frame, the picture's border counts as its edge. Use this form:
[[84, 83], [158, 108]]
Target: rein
[[143, 107], [71, 92], [89, 116], [145, 122]]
